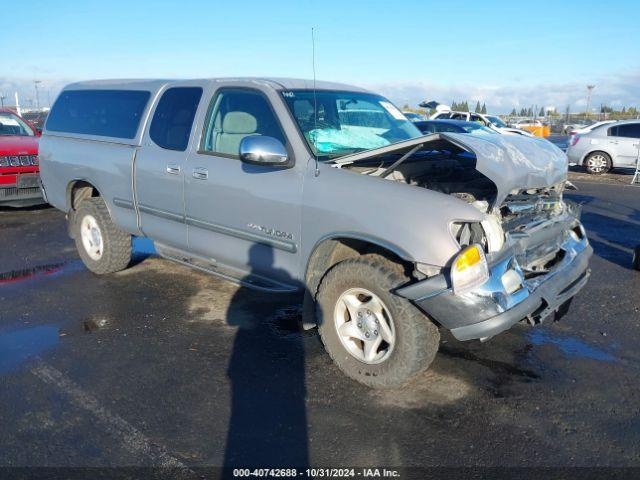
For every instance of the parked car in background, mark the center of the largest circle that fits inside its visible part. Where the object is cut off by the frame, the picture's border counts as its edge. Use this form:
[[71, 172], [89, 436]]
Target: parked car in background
[[581, 129], [36, 118], [490, 121], [453, 126], [606, 146], [414, 117], [569, 128], [19, 179]]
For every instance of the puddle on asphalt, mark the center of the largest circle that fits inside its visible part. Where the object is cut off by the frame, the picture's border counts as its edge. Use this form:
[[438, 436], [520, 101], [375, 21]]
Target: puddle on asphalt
[[569, 346], [19, 275], [143, 246], [40, 272], [18, 346]]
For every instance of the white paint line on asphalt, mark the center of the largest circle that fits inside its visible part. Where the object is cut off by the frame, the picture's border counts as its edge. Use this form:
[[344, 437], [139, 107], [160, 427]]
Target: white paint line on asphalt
[[134, 440]]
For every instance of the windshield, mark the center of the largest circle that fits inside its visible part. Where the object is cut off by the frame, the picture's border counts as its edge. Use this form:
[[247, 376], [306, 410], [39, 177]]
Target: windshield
[[412, 116], [11, 124], [496, 121], [347, 122], [477, 129]]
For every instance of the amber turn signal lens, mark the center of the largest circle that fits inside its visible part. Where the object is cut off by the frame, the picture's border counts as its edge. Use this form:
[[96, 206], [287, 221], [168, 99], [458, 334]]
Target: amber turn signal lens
[[468, 258]]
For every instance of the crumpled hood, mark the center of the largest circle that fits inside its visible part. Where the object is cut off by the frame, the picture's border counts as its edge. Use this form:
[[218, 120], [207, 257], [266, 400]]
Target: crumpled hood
[[512, 162], [515, 162]]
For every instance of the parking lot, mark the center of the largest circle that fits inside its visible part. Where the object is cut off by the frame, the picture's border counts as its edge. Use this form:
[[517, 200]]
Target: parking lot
[[164, 366]]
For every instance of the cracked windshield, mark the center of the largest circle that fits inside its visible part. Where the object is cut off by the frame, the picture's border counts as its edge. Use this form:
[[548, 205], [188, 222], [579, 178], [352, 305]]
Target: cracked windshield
[[347, 122]]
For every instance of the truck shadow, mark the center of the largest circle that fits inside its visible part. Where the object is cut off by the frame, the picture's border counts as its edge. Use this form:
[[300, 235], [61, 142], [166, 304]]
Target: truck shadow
[[268, 424]]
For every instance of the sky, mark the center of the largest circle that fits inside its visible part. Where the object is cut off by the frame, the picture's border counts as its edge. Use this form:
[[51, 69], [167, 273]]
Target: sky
[[504, 53]]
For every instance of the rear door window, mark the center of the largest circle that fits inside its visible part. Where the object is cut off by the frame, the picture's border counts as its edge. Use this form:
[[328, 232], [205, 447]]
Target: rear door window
[[105, 113], [173, 118], [629, 130]]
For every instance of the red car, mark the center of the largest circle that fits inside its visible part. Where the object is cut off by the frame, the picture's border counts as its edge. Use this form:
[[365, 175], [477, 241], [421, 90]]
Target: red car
[[19, 163]]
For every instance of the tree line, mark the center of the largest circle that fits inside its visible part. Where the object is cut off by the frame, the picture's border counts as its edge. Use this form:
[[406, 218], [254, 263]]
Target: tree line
[[464, 107]]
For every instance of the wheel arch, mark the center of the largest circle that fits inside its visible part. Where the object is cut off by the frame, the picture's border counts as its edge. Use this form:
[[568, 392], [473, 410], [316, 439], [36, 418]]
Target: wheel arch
[[330, 251], [78, 190]]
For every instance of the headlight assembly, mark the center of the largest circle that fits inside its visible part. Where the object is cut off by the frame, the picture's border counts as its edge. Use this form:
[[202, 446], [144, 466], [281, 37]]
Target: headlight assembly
[[469, 269]]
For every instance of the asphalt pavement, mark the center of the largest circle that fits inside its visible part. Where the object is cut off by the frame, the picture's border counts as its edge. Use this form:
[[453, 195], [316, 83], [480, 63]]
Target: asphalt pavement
[[163, 366]]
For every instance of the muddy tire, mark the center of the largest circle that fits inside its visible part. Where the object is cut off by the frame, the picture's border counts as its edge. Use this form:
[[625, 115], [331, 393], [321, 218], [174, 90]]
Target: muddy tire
[[355, 307], [597, 163], [102, 246]]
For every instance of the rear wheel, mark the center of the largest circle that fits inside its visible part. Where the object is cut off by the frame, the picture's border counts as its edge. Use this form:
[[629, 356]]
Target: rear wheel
[[102, 246], [373, 336], [597, 163]]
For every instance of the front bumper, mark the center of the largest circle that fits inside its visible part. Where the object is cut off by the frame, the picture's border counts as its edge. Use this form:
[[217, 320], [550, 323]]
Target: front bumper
[[490, 309]]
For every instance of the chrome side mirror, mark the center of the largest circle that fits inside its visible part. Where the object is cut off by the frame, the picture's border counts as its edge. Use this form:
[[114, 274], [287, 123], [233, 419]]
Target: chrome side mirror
[[260, 150]]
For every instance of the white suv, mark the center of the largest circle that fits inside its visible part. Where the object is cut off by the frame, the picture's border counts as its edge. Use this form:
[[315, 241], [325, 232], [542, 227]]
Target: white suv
[[607, 146], [491, 121]]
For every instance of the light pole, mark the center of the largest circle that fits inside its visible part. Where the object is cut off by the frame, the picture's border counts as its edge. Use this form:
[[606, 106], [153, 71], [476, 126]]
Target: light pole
[[589, 90], [36, 83], [2, 97]]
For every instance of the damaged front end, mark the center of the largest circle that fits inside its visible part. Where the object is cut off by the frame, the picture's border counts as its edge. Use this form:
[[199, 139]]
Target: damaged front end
[[524, 261], [542, 264]]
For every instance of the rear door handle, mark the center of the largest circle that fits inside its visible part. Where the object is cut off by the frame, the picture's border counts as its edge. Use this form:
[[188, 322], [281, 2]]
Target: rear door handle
[[200, 173], [173, 169]]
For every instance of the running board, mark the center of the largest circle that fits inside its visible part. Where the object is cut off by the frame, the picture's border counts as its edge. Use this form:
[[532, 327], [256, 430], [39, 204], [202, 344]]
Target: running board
[[234, 275]]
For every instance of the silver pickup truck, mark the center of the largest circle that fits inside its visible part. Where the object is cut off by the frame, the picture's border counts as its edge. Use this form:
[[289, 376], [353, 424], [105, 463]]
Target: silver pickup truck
[[285, 185]]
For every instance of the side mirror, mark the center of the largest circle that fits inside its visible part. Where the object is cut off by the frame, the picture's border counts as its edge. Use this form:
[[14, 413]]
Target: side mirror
[[260, 150]]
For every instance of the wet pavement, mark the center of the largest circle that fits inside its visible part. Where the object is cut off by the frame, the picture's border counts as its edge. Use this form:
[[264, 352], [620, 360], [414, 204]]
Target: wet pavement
[[161, 365]]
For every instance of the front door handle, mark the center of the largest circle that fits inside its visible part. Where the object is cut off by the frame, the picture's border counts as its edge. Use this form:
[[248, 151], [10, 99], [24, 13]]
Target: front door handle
[[173, 169], [200, 173]]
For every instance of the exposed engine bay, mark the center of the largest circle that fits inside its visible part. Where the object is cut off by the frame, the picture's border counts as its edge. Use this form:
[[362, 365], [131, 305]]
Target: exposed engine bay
[[452, 173], [536, 220]]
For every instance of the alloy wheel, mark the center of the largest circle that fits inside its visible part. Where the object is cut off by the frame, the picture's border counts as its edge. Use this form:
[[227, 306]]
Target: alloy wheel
[[364, 326]]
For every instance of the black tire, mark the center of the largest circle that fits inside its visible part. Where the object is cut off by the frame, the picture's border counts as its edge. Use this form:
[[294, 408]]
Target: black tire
[[594, 170], [116, 251], [417, 338], [636, 258]]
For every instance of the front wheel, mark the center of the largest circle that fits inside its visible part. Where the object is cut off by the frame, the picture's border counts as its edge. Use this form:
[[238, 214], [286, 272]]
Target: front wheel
[[373, 336], [597, 163], [102, 246]]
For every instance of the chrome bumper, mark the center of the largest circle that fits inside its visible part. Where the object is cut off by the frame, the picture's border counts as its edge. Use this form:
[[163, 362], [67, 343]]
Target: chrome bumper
[[491, 309]]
